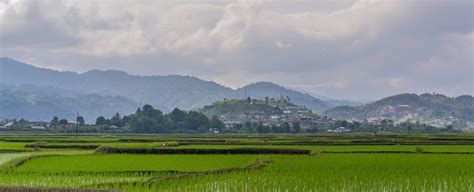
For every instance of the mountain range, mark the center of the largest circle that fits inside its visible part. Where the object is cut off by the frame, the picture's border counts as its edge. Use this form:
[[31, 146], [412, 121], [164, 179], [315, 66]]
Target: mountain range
[[36, 93], [163, 92]]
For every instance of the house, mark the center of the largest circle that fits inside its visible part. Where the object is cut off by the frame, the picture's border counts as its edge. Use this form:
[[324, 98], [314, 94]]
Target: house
[[5, 125], [70, 125], [37, 127], [213, 130], [339, 130], [38, 124]]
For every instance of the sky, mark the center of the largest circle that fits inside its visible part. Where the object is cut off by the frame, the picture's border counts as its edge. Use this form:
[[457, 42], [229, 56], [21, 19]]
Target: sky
[[343, 49]]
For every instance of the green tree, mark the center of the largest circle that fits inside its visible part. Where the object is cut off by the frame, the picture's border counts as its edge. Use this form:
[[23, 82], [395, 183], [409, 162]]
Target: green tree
[[178, 115], [249, 127], [63, 122], [23, 121], [116, 120], [80, 120], [262, 128], [286, 127], [196, 120], [55, 121], [100, 120], [216, 123], [148, 110], [296, 127], [275, 129], [139, 111]]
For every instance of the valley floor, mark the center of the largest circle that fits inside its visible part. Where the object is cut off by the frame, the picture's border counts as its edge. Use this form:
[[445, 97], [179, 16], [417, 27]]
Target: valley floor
[[196, 162]]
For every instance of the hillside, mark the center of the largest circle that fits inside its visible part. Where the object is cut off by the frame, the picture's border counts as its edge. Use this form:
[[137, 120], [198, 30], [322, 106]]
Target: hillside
[[236, 108], [425, 106], [16, 103], [269, 112], [164, 92]]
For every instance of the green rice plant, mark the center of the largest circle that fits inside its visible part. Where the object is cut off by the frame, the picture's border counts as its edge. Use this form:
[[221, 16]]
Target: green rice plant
[[13, 147], [129, 162], [329, 168], [342, 172]]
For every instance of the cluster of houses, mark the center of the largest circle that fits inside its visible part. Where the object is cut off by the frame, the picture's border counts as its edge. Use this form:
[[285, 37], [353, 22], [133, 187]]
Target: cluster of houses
[[406, 113], [5, 125], [32, 124], [339, 130], [36, 125], [279, 115], [400, 110]]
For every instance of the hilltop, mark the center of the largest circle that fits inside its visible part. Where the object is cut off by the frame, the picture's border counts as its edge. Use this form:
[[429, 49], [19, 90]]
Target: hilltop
[[267, 112]]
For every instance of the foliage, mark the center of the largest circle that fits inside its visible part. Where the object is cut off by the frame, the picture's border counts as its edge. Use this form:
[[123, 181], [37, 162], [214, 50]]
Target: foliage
[[150, 120]]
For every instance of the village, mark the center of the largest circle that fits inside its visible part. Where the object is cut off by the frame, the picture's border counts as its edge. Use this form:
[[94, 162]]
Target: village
[[34, 125], [275, 112], [406, 113]]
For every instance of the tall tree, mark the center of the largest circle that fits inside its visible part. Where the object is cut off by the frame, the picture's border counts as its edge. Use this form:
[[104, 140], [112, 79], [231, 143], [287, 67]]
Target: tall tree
[[55, 121], [116, 120], [178, 115], [63, 122], [80, 120], [100, 120], [296, 127], [286, 127], [216, 123]]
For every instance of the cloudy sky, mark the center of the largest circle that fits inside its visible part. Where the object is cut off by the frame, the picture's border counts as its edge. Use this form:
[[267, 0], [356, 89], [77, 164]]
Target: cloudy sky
[[359, 49]]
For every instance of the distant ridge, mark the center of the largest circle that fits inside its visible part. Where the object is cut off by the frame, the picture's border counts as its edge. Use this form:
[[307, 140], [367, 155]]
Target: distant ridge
[[424, 106], [43, 103], [164, 92]]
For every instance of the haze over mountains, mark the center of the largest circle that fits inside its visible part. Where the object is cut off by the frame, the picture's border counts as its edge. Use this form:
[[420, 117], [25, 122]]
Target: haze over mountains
[[38, 94], [43, 103], [164, 92]]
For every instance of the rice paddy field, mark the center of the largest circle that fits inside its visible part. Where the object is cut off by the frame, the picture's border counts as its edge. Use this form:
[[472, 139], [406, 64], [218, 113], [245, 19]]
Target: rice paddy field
[[176, 163]]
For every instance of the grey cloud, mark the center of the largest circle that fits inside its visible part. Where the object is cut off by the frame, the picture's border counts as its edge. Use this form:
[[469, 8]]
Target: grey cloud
[[343, 49]]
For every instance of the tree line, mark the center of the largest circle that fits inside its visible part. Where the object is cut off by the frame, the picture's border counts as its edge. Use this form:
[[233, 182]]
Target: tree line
[[150, 120]]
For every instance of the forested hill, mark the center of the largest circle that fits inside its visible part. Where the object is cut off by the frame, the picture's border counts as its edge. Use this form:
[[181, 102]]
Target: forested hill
[[164, 92], [405, 105], [45, 103]]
